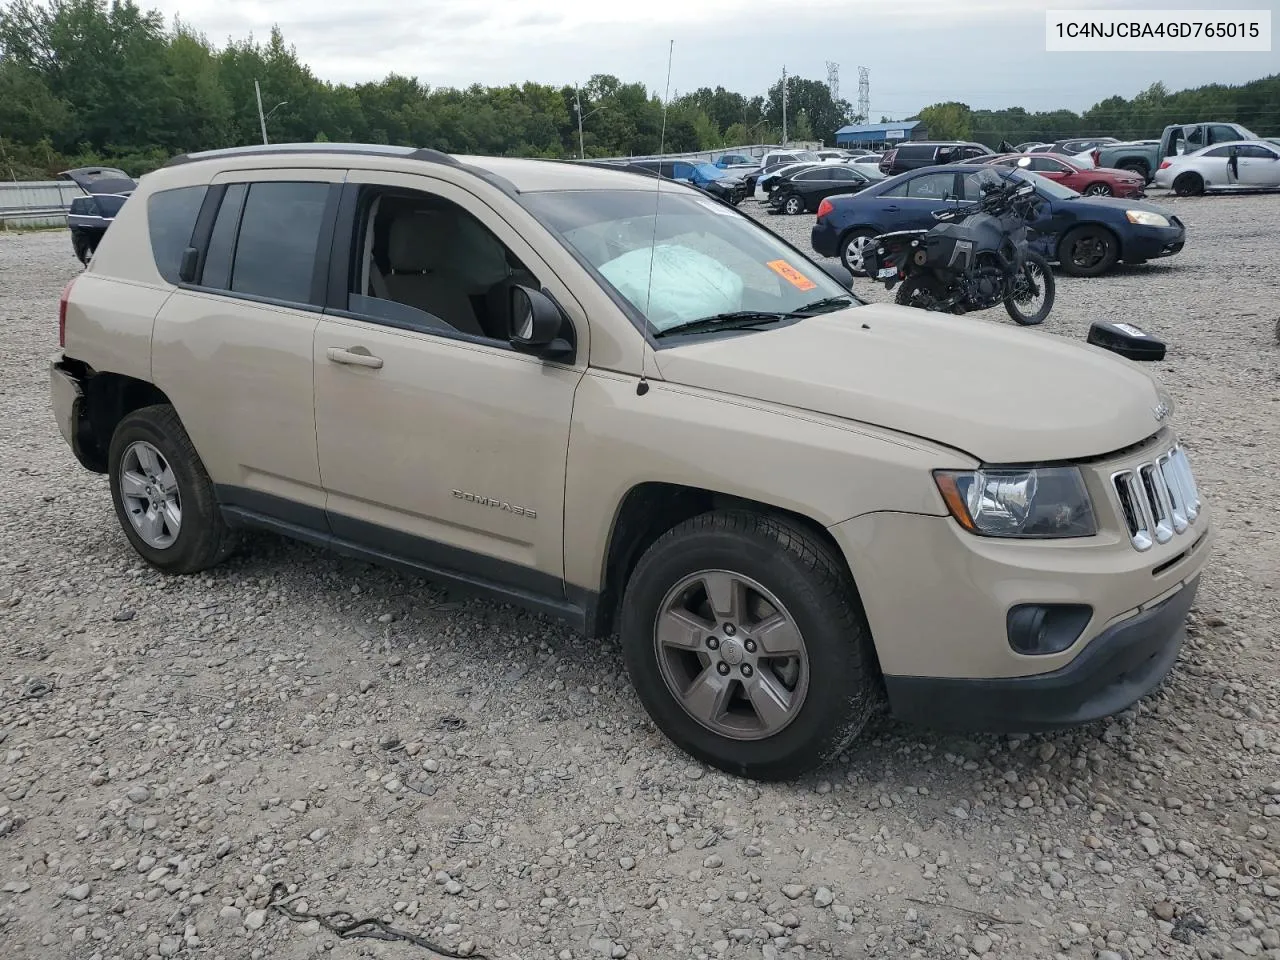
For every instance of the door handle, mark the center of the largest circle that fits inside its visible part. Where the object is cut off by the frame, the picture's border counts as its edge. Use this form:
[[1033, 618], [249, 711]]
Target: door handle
[[892, 208], [356, 357]]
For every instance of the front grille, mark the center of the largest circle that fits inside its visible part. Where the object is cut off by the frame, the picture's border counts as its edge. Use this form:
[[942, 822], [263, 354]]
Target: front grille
[[1158, 500]]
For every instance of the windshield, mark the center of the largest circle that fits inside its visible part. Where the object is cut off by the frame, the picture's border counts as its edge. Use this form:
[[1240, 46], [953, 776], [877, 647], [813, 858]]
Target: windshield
[[708, 171], [807, 155], [703, 259]]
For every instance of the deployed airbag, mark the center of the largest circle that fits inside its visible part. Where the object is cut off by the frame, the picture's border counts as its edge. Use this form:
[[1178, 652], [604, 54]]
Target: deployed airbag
[[687, 285]]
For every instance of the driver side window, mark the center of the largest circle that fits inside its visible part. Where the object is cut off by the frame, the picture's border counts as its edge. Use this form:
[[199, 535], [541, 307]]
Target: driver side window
[[424, 263]]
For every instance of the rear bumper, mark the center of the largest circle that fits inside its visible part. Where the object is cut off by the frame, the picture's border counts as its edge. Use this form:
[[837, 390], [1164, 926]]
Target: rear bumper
[[1117, 668], [825, 239], [67, 397]]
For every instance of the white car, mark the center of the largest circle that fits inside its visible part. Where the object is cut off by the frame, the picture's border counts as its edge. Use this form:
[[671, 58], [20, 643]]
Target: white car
[[1257, 166]]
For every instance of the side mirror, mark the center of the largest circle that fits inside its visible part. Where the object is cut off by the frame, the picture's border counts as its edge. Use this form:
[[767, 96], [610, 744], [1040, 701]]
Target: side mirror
[[838, 273], [537, 324], [1126, 340]]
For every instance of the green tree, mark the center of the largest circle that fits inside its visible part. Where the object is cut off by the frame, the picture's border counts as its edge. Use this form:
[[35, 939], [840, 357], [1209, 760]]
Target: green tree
[[948, 121]]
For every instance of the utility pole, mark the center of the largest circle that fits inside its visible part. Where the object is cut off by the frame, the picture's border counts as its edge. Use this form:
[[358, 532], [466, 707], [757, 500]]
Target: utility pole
[[262, 120], [577, 108], [784, 106]]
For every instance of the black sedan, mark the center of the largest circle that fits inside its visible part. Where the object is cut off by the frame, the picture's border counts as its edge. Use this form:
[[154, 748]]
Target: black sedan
[[1086, 236], [105, 191], [802, 190]]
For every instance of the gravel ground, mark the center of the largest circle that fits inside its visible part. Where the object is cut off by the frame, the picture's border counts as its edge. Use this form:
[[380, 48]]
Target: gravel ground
[[483, 778]]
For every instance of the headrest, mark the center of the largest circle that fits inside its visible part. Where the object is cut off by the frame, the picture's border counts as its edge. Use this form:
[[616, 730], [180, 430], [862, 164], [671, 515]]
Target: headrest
[[419, 241]]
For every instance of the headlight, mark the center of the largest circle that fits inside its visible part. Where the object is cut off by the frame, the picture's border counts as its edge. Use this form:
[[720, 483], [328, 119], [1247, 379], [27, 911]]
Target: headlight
[[1146, 218], [1043, 503]]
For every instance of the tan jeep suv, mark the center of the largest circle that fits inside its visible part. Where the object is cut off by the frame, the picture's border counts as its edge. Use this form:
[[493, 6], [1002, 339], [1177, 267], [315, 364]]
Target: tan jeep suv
[[615, 400]]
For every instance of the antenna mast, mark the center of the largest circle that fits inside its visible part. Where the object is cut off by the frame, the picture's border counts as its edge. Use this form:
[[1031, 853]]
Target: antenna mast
[[833, 80], [643, 386], [864, 94]]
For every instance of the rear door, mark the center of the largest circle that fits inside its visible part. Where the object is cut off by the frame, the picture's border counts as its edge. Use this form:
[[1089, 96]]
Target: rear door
[[909, 204], [232, 347]]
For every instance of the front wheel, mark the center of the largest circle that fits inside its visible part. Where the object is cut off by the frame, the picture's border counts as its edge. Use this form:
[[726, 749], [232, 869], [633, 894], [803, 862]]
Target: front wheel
[[793, 206], [745, 640], [1035, 286], [1097, 190]]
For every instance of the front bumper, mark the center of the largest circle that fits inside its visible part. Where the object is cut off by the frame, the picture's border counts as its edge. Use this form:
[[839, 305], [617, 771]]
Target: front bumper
[[1151, 243], [1118, 667]]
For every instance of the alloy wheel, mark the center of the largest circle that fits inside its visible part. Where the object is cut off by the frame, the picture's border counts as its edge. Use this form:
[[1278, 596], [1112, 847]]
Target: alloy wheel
[[149, 492], [731, 655]]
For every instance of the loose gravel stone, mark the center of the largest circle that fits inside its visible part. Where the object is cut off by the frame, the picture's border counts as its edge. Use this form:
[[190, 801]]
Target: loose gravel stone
[[242, 726]]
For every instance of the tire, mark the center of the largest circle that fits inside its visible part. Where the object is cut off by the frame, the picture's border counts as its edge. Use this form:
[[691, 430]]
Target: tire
[[838, 684], [1088, 251], [793, 206], [1138, 167], [853, 261], [1036, 270], [920, 290], [1098, 190], [1188, 185], [202, 538]]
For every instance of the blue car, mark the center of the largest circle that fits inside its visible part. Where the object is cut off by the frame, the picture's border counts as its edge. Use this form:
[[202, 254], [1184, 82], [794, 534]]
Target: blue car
[[1085, 236], [707, 176]]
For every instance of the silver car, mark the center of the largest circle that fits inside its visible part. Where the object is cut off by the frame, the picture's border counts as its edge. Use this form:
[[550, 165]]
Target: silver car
[[1238, 165]]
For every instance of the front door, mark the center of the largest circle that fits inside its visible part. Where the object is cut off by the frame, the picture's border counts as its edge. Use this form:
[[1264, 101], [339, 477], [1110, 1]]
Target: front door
[[1259, 166], [438, 442]]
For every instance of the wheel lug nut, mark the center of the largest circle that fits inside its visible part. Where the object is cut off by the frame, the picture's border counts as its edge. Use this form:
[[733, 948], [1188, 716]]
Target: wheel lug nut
[[722, 667], [730, 629], [750, 646], [746, 670], [713, 643]]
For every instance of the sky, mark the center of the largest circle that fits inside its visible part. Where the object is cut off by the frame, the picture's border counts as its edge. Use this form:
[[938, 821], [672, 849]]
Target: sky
[[986, 53]]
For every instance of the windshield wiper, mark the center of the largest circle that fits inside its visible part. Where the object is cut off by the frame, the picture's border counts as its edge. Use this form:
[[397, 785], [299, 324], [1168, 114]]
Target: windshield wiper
[[735, 320], [821, 306]]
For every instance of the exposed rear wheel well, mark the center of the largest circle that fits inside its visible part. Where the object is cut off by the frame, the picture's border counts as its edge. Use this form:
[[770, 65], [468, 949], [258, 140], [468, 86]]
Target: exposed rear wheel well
[[651, 509], [108, 399]]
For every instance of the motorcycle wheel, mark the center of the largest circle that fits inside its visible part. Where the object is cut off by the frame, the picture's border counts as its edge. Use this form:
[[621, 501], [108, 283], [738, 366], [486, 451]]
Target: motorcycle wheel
[[1036, 274], [920, 290]]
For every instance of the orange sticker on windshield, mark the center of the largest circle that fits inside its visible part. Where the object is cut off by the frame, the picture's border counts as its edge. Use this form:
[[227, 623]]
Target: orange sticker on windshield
[[789, 273]]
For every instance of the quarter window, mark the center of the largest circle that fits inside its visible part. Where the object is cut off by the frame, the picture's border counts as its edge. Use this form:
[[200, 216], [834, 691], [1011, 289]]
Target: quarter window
[[171, 219]]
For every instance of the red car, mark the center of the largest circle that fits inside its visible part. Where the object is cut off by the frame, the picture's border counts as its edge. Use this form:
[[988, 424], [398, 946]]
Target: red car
[[1091, 181]]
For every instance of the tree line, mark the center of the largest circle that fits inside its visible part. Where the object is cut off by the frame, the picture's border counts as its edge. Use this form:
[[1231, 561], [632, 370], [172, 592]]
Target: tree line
[[96, 82]]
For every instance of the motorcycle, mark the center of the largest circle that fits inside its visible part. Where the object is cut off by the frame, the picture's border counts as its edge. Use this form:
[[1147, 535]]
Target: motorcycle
[[975, 258]]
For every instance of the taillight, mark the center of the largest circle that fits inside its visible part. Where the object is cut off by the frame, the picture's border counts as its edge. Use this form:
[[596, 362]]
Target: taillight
[[1164, 165], [62, 313], [824, 208]]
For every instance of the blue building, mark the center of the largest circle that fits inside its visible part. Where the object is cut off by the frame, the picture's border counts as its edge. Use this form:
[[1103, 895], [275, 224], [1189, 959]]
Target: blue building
[[876, 135]]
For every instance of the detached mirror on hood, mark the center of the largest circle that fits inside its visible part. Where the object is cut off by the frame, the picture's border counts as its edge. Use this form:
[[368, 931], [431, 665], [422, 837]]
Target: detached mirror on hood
[[1126, 340]]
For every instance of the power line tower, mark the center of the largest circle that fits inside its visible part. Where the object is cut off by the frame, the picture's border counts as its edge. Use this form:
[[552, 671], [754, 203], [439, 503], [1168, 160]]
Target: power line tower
[[833, 80], [864, 94]]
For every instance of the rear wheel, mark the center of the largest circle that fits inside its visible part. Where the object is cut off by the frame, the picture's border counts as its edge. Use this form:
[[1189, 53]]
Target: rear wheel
[[1188, 185], [793, 206], [1097, 190], [162, 494], [921, 290], [1032, 298], [853, 247], [1088, 251], [745, 640], [1138, 167]]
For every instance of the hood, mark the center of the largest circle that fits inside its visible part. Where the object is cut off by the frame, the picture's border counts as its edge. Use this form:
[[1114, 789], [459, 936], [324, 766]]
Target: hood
[[1119, 204], [1000, 393]]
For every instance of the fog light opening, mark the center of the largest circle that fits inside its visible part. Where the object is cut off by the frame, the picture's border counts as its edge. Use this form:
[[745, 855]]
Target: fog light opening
[[1037, 629]]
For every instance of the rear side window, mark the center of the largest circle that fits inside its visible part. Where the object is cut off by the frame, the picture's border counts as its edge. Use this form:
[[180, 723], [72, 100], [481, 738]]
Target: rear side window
[[171, 218], [916, 153], [276, 247]]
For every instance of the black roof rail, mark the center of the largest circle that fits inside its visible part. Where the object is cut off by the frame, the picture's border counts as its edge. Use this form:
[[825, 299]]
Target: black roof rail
[[350, 149]]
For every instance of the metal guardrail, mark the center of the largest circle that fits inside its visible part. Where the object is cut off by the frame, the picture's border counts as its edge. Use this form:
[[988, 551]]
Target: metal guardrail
[[37, 203]]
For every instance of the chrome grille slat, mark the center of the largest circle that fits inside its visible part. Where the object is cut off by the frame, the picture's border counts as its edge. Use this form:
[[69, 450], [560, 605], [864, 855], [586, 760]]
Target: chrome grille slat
[[1158, 499]]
